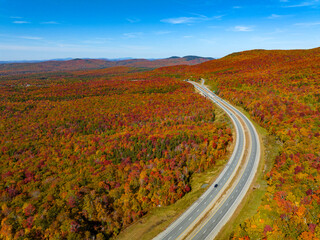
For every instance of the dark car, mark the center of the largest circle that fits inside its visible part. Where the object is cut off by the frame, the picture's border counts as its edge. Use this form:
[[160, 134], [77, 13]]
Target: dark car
[[216, 185]]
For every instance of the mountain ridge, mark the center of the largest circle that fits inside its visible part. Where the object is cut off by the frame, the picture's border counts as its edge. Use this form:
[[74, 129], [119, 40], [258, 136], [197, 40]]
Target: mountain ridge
[[15, 68]]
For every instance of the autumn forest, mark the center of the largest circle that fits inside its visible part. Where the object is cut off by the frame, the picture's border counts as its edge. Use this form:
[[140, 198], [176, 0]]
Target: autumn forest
[[86, 153]]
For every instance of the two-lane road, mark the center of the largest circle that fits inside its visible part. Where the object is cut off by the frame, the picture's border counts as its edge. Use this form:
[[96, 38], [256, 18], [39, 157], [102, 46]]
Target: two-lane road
[[184, 225]]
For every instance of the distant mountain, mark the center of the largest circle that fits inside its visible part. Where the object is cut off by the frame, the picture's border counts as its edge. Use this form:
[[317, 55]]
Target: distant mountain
[[82, 64], [190, 58], [20, 61], [34, 61]]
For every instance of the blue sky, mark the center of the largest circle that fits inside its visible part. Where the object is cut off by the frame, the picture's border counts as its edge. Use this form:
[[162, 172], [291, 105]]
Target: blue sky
[[47, 29]]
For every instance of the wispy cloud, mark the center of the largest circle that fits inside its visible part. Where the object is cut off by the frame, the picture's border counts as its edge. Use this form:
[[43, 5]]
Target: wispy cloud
[[274, 16], [304, 4], [184, 20], [14, 37], [237, 7], [31, 37], [219, 17], [16, 17], [133, 20], [179, 20], [20, 22], [50, 22], [243, 29], [133, 35], [307, 24]]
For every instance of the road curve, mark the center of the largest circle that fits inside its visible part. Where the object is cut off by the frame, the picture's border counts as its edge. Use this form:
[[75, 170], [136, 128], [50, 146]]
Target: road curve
[[182, 227]]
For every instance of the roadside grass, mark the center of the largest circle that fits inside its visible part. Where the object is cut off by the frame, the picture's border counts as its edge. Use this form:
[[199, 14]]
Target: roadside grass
[[158, 219], [249, 206]]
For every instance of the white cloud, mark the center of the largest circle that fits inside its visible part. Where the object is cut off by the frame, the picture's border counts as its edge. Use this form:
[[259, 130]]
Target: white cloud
[[179, 20], [304, 4], [237, 7], [274, 16], [20, 22], [307, 24], [15, 17], [218, 17], [242, 29], [50, 22], [184, 20], [133, 20], [188, 20], [132, 35], [30, 37]]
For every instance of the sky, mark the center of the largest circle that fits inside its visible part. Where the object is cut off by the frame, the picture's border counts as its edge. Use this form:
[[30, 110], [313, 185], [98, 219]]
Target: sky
[[50, 29]]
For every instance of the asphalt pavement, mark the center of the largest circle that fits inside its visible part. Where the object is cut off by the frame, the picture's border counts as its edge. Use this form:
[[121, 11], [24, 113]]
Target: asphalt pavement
[[184, 224]]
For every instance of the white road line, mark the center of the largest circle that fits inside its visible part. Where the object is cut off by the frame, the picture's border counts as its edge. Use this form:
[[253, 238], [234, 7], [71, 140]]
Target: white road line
[[227, 173]]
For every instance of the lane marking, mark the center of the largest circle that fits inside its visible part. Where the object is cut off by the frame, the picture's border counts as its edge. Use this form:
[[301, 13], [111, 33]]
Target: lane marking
[[236, 121], [234, 188]]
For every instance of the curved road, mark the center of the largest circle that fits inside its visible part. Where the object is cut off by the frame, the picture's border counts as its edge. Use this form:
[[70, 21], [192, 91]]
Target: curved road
[[211, 227]]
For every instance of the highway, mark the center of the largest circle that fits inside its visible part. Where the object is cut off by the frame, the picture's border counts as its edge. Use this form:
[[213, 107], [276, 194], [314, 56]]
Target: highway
[[184, 226]]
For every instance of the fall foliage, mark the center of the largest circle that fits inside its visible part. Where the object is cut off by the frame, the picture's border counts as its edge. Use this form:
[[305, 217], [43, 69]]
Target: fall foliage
[[90, 152], [280, 90], [85, 154]]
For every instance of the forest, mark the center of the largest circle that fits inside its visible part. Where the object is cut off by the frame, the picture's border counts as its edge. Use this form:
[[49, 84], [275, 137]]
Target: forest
[[85, 154]]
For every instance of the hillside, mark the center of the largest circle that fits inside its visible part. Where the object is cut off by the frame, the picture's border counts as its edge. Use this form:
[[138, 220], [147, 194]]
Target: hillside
[[152, 145], [83, 64], [280, 90]]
